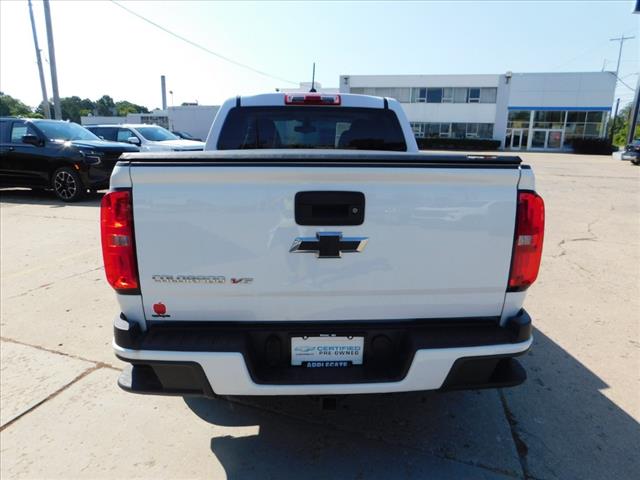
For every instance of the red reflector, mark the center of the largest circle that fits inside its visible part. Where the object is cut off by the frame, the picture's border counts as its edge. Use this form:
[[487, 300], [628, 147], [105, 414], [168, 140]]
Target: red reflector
[[311, 99], [527, 244], [118, 247]]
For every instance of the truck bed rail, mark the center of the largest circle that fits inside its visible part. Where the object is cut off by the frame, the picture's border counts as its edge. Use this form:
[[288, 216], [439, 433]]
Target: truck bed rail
[[334, 158]]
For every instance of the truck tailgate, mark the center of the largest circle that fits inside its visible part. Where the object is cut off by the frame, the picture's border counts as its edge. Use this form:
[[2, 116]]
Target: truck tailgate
[[214, 242]]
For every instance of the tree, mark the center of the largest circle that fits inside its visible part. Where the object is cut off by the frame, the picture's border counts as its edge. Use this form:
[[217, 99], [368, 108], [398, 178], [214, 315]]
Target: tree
[[105, 106], [620, 124], [12, 107], [74, 107], [40, 109], [124, 107]]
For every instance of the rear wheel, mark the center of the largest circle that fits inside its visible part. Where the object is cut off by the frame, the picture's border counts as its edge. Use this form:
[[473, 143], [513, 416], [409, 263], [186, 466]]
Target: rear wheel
[[67, 185]]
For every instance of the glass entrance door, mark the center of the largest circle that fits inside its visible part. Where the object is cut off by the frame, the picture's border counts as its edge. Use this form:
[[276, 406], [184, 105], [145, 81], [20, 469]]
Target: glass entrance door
[[539, 139], [546, 139], [519, 137], [554, 139]]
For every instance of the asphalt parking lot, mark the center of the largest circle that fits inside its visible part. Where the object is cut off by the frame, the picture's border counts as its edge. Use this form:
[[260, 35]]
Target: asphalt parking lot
[[62, 415]]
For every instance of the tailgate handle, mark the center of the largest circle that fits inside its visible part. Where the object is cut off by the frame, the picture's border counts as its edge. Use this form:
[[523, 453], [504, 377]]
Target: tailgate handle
[[329, 208]]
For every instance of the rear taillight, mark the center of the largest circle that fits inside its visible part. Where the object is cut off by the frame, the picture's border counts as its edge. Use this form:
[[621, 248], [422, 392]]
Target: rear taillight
[[311, 99], [118, 247], [527, 244]]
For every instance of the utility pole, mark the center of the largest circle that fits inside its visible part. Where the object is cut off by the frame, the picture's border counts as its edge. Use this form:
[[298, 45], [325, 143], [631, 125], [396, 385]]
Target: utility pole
[[43, 85], [621, 40], [52, 62]]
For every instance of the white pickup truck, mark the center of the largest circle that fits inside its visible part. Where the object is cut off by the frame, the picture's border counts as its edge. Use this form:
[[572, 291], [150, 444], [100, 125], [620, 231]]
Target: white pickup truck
[[313, 250]]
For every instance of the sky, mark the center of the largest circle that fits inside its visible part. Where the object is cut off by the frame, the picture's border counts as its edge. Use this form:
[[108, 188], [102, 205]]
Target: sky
[[102, 49]]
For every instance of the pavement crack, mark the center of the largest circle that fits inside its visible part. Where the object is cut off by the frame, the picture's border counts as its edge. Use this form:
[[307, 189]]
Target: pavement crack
[[520, 444], [57, 352], [591, 238], [54, 282], [53, 395]]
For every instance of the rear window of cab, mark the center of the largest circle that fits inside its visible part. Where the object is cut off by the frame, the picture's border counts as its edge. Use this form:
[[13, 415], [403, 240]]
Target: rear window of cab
[[319, 127]]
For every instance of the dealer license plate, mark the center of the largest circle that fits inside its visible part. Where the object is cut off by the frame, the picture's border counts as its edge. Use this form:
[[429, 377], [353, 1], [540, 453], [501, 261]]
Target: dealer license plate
[[326, 351]]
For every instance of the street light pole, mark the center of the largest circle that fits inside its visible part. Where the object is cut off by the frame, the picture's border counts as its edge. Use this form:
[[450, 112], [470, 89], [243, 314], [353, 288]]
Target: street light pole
[[52, 62], [43, 85]]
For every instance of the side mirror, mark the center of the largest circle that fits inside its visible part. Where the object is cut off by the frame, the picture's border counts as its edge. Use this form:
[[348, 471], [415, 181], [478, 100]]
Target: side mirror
[[133, 140], [32, 140]]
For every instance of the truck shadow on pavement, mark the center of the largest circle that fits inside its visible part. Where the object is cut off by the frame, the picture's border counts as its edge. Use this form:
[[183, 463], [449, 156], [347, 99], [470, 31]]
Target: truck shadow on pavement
[[45, 197], [558, 424]]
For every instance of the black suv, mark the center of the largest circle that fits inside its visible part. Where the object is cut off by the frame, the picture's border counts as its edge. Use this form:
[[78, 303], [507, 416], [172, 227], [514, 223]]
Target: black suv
[[632, 152], [55, 154]]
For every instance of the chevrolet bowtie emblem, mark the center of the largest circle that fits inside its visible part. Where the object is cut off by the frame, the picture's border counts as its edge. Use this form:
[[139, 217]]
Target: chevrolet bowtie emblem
[[328, 244]]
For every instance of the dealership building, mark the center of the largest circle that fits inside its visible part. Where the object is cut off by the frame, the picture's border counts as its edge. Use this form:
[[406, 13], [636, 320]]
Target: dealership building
[[524, 111], [193, 119]]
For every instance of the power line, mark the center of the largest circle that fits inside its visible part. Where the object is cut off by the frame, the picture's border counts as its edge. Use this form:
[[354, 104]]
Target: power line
[[620, 80], [592, 49], [620, 39], [203, 48]]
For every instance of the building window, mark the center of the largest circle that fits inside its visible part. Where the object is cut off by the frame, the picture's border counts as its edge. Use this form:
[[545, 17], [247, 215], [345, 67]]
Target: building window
[[549, 119], [485, 130], [419, 95], [418, 129], [488, 95], [584, 125], [474, 95], [595, 117], [434, 95], [550, 126], [445, 130], [460, 95], [458, 130], [472, 130], [402, 95], [452, 130], [519, 119], [453, 95]]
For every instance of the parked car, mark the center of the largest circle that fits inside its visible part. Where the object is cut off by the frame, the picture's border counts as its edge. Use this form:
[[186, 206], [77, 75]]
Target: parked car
[[55, 154], [632, 152], [313, 250], [150, 138], [185, 135]]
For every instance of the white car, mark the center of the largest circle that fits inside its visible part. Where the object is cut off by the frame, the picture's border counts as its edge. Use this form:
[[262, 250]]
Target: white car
[[149, 138], [314, 251]]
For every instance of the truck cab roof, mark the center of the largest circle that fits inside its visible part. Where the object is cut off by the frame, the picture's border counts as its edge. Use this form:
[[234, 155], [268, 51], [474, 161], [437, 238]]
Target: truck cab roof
[[280, 99], [394, 123]]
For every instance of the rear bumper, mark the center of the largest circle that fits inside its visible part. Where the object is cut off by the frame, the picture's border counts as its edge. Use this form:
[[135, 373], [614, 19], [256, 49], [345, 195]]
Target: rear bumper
[[248, 359]]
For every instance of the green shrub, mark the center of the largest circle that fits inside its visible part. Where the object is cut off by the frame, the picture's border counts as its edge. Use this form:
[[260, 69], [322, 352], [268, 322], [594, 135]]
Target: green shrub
[[592, 146], [457, 144]]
